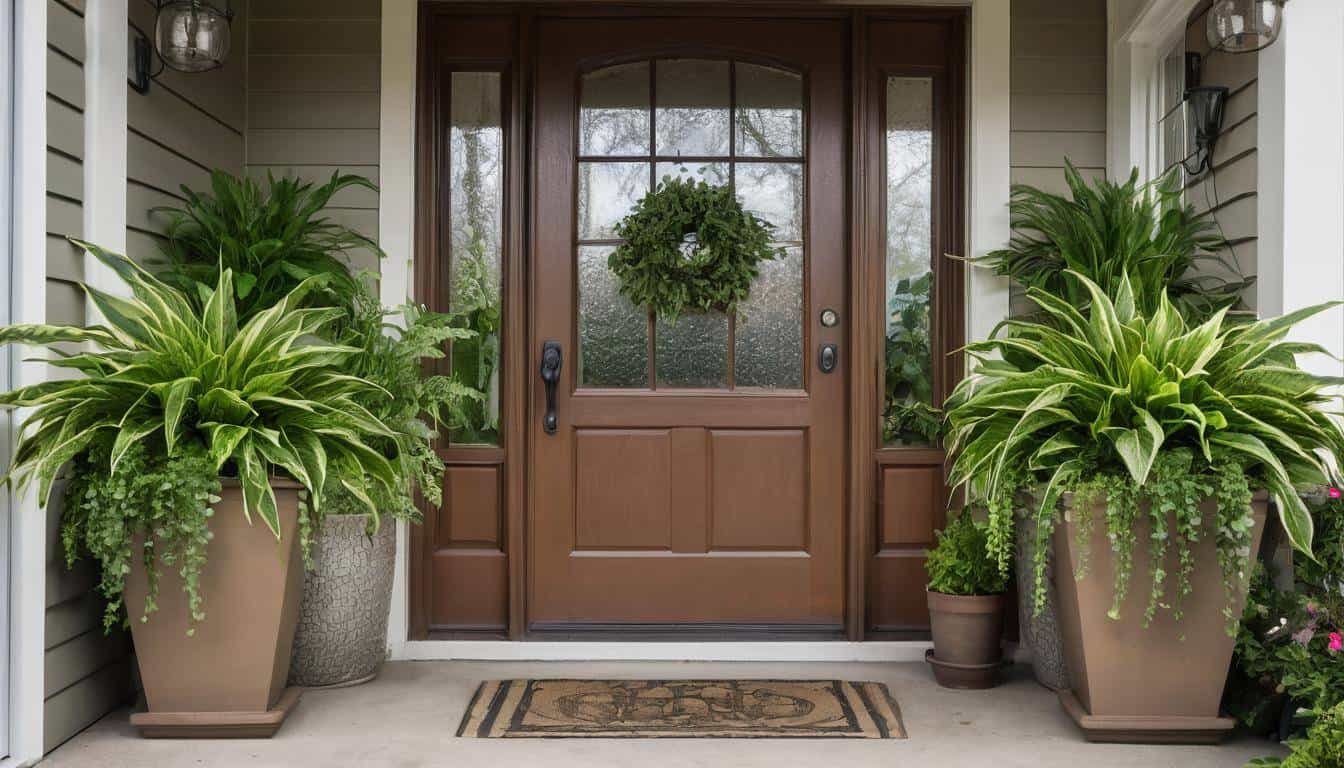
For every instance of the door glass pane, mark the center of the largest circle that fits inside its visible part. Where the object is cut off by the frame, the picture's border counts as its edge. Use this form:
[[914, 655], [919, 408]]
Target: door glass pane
[[768, 349], [693, 352], [607, 192], [774, 192], [693, 103], [769, 112], [476, 220], [710, 173], [614, 113], [613, 333], [909, 418]]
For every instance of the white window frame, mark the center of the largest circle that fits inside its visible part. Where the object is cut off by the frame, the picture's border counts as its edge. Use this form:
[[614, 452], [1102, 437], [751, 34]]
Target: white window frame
[[6, 418], [1138, 47]]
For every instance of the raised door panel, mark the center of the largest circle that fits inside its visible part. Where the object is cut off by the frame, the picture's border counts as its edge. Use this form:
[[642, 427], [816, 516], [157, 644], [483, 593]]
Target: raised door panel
[[758, 490], [622, 489], [468, 565]]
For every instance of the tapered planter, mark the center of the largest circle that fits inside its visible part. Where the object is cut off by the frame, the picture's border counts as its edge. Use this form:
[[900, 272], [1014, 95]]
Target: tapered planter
[[967, 640], [228, 679], [1160, 684], [342, 635]]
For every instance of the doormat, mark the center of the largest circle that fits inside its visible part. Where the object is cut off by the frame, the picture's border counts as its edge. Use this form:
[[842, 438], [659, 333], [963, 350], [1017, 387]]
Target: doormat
[[694, 709]]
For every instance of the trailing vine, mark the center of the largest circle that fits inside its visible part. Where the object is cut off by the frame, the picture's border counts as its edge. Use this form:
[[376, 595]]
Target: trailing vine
[[689, 245], [166, 501]]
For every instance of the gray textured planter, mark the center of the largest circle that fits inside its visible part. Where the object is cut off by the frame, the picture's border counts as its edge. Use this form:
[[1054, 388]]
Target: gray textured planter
[[1040, 633], [342, 636]]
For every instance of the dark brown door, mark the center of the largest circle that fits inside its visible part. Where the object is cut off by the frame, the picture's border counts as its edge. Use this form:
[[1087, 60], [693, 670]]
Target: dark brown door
[[696, 475]]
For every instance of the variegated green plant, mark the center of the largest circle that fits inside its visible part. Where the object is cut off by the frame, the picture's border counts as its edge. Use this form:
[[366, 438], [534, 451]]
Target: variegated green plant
[[267, 396], [1053, 405]]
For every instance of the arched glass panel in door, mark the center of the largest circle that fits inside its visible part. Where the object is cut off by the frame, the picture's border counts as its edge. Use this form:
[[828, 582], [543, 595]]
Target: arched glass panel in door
[[723, 122]]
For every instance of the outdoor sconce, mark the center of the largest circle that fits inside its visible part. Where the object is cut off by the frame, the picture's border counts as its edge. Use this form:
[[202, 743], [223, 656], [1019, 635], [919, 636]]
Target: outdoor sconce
[[1205, 112], [189, 36], [1243, 26]]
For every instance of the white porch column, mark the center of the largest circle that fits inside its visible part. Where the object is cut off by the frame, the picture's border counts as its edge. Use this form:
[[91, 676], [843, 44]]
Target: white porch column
[[1301, 174], [987, 296]]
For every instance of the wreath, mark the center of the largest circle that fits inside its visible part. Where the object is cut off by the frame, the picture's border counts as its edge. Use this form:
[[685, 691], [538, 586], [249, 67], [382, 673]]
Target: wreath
[[689, 245]]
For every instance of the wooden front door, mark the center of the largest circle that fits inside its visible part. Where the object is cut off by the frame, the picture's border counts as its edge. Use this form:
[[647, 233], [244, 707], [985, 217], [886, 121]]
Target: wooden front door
[[696, 471]]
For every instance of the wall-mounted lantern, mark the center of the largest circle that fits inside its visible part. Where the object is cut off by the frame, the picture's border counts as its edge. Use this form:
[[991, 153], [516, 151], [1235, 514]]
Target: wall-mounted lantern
[[189, 36], [1205, 106], [1243, 26]]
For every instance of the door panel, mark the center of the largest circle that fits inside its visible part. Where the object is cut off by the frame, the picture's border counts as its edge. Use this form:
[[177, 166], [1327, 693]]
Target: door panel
[[696, 475]]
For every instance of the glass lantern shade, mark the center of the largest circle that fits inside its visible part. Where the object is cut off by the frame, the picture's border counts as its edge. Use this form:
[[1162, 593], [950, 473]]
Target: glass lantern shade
[[192, 36], [1243, 26]]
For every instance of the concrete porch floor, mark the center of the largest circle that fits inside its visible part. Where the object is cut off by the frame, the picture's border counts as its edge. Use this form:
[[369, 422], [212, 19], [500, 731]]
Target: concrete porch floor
[[409, 715]]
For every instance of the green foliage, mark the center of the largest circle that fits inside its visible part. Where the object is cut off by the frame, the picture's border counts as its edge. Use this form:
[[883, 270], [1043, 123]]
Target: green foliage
[[475, 358], [271, 238], [1284, 643], [960, 564], [166, 502], [1143, 232], [412, 405], [689, 245], [1323, 746], [908, 416], [1079, 397], [262, 397]]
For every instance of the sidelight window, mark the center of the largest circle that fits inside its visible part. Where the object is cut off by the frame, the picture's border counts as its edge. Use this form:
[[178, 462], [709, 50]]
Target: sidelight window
[[475, 243], [909, 417], [723, 122]]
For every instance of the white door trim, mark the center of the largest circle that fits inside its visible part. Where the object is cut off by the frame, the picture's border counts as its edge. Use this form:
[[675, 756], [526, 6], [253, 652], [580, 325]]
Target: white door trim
[[6, 419], [988, 223], [27, 297]]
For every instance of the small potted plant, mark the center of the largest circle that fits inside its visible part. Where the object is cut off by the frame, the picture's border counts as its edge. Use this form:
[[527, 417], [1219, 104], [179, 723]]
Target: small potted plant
[[196, 446], [966, 591]]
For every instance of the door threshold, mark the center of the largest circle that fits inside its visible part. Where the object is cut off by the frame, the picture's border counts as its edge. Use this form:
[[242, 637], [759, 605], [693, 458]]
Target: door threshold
[[722, 650]]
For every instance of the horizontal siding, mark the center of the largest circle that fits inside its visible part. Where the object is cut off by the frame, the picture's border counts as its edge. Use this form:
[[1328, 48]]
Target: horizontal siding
[[313, 103], [1230, 191], [1058, 95], [79, 706]]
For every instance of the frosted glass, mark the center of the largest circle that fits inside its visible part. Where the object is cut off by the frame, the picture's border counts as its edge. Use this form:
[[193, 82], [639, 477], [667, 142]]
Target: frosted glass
[[774, 192], [614, 111], [607, 192], [694, 351], [769, 112], [710, 173], [769, 340], [613, 333], [693, 101]]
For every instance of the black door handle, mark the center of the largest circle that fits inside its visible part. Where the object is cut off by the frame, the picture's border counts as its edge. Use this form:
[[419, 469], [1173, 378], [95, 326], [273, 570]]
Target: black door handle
[[551, 362]]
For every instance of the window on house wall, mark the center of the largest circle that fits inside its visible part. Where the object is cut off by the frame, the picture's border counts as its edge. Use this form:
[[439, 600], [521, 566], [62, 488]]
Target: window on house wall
[[1171, 124]]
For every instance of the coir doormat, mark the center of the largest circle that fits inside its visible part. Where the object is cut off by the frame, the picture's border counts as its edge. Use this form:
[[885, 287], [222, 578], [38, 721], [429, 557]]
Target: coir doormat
[[808, 709]]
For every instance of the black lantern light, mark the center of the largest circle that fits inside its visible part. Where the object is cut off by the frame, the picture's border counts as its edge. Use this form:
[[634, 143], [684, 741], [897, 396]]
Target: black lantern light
[[1243, 26], [189, 36], [1204, 105]]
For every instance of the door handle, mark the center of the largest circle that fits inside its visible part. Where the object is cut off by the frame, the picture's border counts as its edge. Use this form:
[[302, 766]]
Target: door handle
[[827, 357], [551, 361]]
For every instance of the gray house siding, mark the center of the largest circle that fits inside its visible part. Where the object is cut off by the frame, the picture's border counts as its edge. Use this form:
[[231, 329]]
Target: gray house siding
[[313, 98], [1230, 191], [1058, 95]]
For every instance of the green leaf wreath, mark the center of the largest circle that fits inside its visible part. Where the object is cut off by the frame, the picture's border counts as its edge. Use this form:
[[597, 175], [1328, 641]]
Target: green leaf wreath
[[689, 245]]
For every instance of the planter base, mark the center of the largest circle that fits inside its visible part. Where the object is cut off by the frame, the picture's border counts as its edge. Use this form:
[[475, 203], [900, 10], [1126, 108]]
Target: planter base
[[967, 677], [217, 725], [1146, 730]]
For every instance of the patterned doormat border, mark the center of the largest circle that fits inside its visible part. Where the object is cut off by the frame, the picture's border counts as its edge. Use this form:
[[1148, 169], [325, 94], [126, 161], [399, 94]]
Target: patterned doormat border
[[695, 709]]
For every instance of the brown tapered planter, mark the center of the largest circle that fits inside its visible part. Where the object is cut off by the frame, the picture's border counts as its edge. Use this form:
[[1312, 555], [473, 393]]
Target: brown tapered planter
[[966, 640], [228, 679], [1160, 684]]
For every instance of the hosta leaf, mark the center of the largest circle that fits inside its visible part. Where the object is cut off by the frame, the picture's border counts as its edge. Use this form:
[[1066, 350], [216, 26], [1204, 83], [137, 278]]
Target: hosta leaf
[[258, 497], [175, 397], [1138, 446]]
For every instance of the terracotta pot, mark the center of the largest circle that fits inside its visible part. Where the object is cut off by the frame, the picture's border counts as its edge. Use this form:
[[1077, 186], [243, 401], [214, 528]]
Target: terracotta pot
[[1160, 684], [228, 679], [967, 635]]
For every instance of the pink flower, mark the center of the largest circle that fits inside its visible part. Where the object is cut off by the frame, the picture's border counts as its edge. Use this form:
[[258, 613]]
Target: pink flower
[[1334, 493], [1336, 642]]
